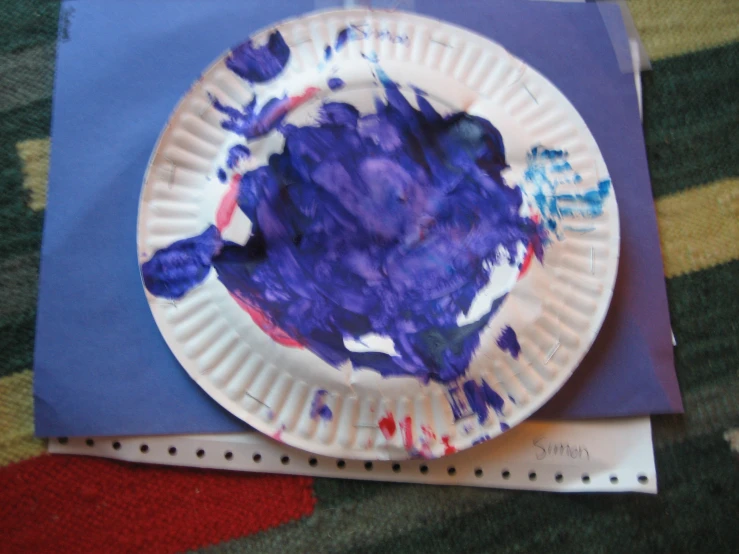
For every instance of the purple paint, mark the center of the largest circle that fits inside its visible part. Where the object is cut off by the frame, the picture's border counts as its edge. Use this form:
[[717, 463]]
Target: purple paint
[[318, 407], [504, 427], [480, 440], [235, 154], [481, 397], [508, 342], [251, 122], [258, 64], [174, 270], [334, 83], [383, 223]]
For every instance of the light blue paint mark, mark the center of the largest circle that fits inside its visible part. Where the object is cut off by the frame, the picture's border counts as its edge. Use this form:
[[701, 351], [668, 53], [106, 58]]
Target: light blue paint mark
[[547, 171]]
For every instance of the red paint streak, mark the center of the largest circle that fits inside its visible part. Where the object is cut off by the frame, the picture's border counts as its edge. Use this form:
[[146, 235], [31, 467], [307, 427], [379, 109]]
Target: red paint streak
[[428, 432], [387, 425], [526, 261], [265, 323], [227, 207], [448, 448], [278, 434], [406, 427], [296, 101], [529, 253]]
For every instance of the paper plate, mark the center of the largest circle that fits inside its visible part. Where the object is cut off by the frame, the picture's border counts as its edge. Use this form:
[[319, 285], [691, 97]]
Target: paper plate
[[376, 235]]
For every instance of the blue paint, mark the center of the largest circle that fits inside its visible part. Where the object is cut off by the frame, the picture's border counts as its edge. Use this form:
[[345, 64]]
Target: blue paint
[[258, 64], [334, 83], [547, 170], [481, 397], [508, 341], [342, 37], [382, 223], [513, 400], [318, 407], [173, 271], [222, 177], [235, 154], [370, 57], [504, 427]]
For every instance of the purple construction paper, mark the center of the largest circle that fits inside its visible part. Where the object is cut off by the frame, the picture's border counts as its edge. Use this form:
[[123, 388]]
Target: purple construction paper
[[101, 365]]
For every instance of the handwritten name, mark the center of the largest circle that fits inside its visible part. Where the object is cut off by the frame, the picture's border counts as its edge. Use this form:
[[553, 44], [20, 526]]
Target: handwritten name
[[366, 31], [546, 449]]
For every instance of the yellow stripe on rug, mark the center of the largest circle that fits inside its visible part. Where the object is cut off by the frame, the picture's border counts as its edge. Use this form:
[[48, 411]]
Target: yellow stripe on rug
[[34, 155], [16, 419], [699, 227], [681, 26]]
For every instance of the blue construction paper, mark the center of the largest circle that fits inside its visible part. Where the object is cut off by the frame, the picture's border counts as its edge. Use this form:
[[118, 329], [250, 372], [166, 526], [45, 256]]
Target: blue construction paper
[[101, 365]]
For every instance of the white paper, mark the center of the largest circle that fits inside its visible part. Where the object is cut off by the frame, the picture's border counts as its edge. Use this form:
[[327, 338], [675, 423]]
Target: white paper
[[612, 455]]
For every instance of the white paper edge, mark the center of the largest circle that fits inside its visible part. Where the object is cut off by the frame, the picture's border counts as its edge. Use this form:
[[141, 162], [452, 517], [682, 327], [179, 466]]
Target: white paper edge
[[587, 454]]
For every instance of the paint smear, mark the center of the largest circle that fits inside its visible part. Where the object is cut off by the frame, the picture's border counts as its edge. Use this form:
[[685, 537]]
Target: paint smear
[[508, 341], [228, 204], [258, 64], [480, 440], [386, 224], [448, 448], [481, 397], [251, 122], [387, 426], [236, 154], [318, 408], [406, 429], [334, 83], [173, 271], [547, 172]]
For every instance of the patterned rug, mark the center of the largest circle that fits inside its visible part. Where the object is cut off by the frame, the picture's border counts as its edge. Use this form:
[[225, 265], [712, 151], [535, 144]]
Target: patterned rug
[[64, 504]]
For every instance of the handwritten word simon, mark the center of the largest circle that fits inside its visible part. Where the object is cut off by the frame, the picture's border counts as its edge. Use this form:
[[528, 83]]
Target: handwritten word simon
[[559, 449], [365, 31]]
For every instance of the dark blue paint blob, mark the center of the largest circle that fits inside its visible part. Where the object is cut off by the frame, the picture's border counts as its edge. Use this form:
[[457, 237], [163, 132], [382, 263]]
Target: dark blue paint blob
[[481, 397], [222, 175], [504, 426], [342, 37], [236, 153], [176, 269], [387, 223], [334, 83], [319, 408], [258, 64], [508, 342]]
